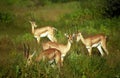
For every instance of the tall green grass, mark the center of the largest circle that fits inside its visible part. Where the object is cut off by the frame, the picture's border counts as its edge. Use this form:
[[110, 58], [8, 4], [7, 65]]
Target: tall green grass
[[84, 16]]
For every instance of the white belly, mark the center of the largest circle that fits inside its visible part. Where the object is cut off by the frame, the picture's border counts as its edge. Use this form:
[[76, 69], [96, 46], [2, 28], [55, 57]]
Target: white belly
[[97, 44], [94, 45], [51, 61], [44, 34]]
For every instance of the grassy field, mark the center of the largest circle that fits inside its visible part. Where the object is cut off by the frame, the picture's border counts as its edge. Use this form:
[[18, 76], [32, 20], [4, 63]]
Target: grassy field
[[69, 17]]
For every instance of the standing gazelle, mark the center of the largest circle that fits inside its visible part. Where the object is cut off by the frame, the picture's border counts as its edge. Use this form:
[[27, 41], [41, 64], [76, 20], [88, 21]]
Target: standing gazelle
[[48, 54], [61, 47], [47, 31], [98, 41]]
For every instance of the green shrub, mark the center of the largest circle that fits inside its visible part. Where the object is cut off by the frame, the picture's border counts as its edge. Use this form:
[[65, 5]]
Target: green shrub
[[6, 17], [85, 18]]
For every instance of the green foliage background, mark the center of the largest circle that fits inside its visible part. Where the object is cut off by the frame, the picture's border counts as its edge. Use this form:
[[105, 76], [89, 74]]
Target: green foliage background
[[68, 16]]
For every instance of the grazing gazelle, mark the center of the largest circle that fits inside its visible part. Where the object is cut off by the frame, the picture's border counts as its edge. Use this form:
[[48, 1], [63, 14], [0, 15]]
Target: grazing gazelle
[[61, 47], [46, 31], [98, 41], [51, 55]]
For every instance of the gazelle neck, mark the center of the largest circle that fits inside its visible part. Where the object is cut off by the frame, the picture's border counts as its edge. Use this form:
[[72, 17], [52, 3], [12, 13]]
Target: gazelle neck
[[82, 39], [33, 29], [67, 47]]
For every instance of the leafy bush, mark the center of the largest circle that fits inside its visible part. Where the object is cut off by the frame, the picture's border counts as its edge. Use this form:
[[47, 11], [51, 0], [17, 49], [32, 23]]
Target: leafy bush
[[85, 18], [6, 17]]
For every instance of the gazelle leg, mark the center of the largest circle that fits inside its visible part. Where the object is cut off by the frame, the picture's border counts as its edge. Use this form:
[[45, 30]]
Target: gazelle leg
[[100, 49], [58, 61], [52, 38], [90, 51], [104, 47], [106, 50], [51, 63], [62, 59], [38, 40]]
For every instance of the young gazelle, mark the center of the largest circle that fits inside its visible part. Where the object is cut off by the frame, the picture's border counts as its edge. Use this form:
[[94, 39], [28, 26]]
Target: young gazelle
[[48, 54], [46, 31], [61, 47], [98, 41]]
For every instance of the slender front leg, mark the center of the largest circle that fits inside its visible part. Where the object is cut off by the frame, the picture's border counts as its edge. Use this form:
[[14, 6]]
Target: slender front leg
[[104, 46], [90, 51], [100, 49], [52, 38], [38, 40]]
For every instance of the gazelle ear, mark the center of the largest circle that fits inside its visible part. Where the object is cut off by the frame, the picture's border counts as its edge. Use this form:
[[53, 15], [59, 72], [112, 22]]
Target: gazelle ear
[[66, 35]]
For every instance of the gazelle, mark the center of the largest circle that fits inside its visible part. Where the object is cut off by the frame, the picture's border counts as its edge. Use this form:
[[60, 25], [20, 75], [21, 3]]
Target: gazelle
[[98, 41], [47, 31], [51, 55], [61, 47]]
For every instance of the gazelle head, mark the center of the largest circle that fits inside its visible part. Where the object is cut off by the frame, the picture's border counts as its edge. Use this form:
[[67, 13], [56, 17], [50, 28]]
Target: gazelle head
[[33, 23], [70, 37], [27, 55]]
